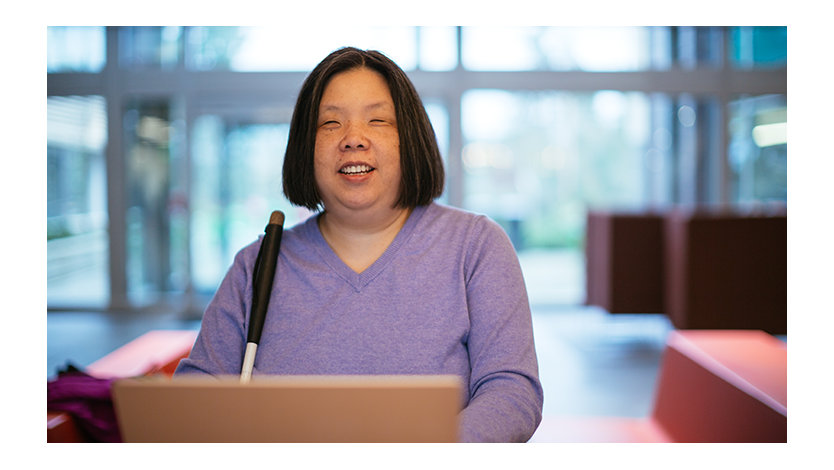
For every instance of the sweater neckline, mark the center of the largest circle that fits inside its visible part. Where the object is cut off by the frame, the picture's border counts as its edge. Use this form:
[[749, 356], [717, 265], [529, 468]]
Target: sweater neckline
[[359, 280]]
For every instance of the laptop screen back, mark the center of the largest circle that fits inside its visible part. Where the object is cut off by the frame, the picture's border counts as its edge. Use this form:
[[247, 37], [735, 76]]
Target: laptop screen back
[[289, 409]]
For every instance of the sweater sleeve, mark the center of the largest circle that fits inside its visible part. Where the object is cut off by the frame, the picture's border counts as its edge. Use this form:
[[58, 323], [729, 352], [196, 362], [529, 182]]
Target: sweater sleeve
[[219, 347], [505, 392]]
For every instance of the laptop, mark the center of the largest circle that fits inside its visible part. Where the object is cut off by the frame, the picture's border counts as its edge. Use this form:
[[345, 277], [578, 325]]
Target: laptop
[[321, 409]]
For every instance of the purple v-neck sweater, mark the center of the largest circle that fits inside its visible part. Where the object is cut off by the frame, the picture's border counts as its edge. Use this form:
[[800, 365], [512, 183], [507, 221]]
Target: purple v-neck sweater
[[446, 297]]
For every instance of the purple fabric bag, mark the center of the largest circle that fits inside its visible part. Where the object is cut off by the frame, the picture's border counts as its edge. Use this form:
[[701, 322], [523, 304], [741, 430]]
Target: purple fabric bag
[[89, 402]]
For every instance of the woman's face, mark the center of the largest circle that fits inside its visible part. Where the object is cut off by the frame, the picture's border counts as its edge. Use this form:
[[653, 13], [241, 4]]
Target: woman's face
[[357, 154]]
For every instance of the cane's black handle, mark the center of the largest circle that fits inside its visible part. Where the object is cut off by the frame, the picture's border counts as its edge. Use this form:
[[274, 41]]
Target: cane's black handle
[[264, 274]]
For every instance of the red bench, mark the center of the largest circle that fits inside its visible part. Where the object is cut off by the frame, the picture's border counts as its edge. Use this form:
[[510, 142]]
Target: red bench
[[155, 352], [714, 386]]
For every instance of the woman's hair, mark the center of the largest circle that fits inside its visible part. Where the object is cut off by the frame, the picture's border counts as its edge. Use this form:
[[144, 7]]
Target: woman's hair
[[420, 162]]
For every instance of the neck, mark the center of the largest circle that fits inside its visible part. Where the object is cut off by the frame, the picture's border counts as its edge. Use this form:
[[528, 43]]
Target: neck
[[360, 239], [363, 223]]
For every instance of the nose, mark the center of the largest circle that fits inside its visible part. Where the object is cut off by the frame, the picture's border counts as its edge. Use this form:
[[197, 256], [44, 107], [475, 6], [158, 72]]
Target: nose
[[354, 138]]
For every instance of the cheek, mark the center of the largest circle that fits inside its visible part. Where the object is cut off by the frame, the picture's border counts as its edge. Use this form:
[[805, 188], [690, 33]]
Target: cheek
[[318, 145], [319, 174], [392, 145], [321, 150], [318, 167]]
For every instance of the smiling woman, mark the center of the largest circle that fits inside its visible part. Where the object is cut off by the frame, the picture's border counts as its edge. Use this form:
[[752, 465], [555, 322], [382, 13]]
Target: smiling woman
[[383, 280]]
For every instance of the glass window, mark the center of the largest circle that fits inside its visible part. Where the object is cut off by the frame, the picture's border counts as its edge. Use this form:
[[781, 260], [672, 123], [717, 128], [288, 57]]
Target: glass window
[[535, 161], [292, 48], [499, 48], [149, 46], [155, 217], [438, 48], [759, 46], [692, 156], [758, 150], [439, 117], [660, 155], [556, 48], [75, 49], [696, 47], [77, 236], [236, 174]]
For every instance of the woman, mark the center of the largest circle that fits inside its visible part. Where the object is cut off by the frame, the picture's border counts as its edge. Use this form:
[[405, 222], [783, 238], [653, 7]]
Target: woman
[[382, 280]]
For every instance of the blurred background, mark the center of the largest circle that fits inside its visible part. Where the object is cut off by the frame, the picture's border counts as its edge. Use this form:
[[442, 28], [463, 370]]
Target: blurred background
[[165, 148]]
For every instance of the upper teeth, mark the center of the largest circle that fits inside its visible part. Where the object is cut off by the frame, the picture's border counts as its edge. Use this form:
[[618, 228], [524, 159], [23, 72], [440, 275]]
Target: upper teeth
[[356, 169]]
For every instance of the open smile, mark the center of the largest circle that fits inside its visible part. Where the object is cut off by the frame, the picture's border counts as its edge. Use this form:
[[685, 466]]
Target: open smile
[[355, 170]]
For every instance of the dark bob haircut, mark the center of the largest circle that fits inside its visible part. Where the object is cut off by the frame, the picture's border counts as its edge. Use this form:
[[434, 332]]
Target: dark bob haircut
[[420, 162]]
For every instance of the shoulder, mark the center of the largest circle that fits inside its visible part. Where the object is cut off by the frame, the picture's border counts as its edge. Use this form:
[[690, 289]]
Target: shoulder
[[479, 243], [303, 231], [440, 214], [293, 238], [472, 230], [476, 223]]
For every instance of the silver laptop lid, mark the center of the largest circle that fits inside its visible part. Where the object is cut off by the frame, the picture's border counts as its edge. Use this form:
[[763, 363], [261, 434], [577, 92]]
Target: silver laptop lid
[[376, 408]]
